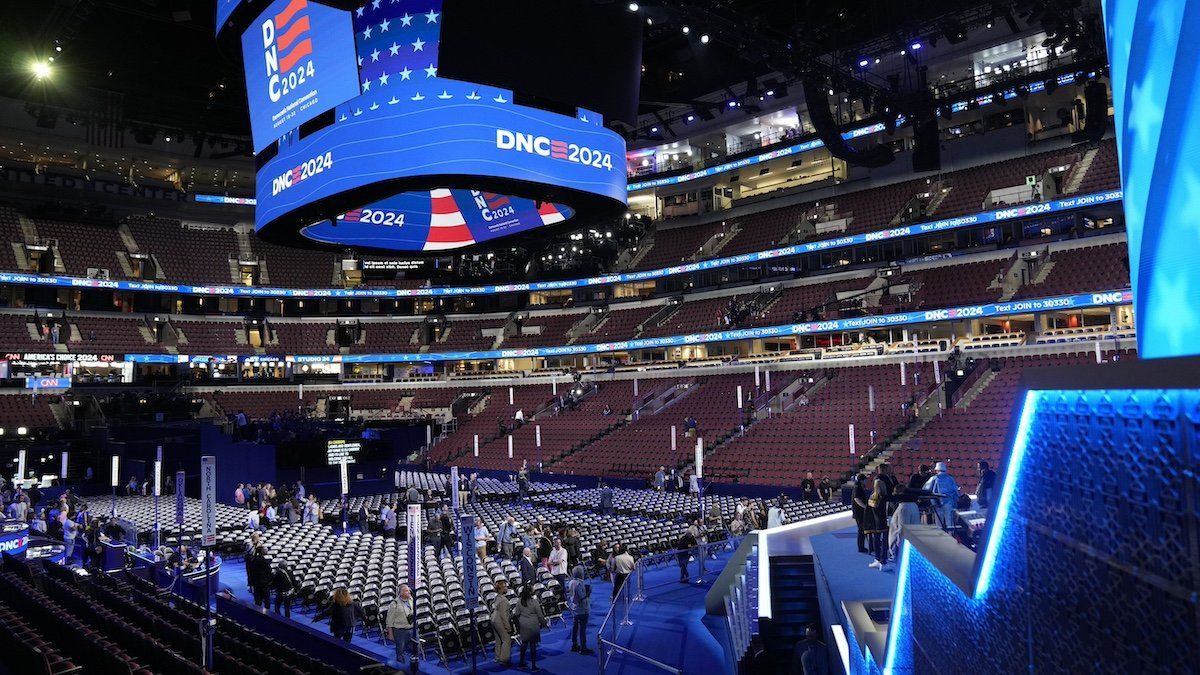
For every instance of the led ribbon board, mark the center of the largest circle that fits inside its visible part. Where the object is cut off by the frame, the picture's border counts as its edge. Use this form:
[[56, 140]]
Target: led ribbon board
[[912, 230], [1051, 304], [420, 163]]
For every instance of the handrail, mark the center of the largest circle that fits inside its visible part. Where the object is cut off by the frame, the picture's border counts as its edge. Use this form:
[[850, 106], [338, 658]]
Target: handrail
[[626, 597]]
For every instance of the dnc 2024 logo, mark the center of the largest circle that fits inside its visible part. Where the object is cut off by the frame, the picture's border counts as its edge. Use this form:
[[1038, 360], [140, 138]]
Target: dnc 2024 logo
[[288, 49]]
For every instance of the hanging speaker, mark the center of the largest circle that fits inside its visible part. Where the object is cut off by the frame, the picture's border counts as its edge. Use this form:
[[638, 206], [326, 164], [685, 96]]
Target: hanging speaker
[[927, 147], [1095, 119], [818, 110]]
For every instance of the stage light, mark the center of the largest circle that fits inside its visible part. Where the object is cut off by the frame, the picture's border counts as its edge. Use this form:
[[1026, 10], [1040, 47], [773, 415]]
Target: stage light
[[989, 24], [876, 60], [686, 30], [633, 7], [167, 139], [733, 104], [770, 92], [863, 63], [58, 48], [831, 92], [22, 431], [916, 46], [691, 118], [41, 69], [704, 39]]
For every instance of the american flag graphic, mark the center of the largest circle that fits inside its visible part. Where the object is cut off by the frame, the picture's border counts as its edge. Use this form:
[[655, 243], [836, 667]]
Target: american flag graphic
[[397, 43], [447, 227], [295, 40]]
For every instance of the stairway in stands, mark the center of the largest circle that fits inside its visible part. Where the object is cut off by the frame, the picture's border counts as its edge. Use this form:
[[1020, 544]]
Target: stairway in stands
[[793, 607]]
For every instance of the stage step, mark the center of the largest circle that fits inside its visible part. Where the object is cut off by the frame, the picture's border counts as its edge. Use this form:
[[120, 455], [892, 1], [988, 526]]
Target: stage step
[[794, 606]]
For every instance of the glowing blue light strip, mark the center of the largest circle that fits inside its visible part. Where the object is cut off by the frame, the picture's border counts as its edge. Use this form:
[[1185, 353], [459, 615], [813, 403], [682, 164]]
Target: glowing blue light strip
[[916, 229], [996, 532], [999, 522], [894, 623]]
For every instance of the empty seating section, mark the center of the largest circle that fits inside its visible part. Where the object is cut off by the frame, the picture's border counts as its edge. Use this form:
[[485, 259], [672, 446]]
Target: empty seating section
[[645, 444], [10, 233], [17, 336], [296, 268], [675, 246], [562, 429], [764, 230], [964, 435], [23, 410], [620, 324], [873, 209], [260, 403], [816, 437], [793, 302], [303, 338], [1103, 173], [83, 246], [117, 335], [467, 335], [554, 329], [954, 285], [185, 254], [388, 337], [528, 399], [970, 187], [692, 317], [1102, 267], [211, 337]]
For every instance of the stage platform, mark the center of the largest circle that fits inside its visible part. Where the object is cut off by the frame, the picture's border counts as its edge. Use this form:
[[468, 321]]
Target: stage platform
[[853, 597]]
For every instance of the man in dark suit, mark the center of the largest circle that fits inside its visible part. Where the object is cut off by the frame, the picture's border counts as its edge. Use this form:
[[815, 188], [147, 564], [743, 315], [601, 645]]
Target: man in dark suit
[[810, 656], [260, 577], [606, 500], [527, 568]]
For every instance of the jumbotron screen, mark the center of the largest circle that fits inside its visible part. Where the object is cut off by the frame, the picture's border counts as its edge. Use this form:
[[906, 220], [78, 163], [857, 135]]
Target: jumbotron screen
[[395, 157]]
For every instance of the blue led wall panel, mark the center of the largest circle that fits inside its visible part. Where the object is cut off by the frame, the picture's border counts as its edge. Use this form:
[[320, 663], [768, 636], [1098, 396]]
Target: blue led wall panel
[[1092, 566], [1154, 49]]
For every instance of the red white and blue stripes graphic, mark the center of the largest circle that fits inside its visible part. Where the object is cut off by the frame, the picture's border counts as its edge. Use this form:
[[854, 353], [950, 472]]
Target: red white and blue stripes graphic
[[447, 227]]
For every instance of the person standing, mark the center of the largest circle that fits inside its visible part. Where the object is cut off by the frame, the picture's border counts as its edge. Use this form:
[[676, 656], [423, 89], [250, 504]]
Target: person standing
[[530, 620], [502, 623], [260, 576], [399, 622], [878, 519], [987, 486], [606, 500], [557, 561], [343, 613], [312, 511], [285, 588], [70, 530], [622, 566], [579, 599], [527, 568], [481, 539], [944, 485], [573, 545], [446, 539], [808, 488], [776, 516], [825, 490], [810, 656], [387, 516], [858, 510], [507, 535], [660, 478]]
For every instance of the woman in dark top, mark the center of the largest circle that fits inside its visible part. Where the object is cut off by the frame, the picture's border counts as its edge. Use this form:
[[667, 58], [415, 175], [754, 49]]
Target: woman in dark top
[[572, 544], [285, 587], [859, 510], [343, 612]]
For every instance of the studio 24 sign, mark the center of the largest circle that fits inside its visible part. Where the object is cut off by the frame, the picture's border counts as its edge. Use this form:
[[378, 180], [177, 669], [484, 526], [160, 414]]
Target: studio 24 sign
[[300, 61]]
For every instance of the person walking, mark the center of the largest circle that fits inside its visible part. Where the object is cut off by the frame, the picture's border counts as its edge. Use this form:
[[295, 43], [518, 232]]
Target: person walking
[[685, 545], [579, 599], [530, 620], [502, 623], [343, 613], [399, 622], [261, 577]]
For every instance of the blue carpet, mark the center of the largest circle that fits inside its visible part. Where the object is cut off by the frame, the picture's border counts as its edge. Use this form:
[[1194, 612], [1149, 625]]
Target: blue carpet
[[669, 626], [846, 570]]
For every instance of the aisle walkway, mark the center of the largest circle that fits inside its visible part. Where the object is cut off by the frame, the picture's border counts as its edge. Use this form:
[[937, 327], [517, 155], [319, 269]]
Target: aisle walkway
[[668, 626]]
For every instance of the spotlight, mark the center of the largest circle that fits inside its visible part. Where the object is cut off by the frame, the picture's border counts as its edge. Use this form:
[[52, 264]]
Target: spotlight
[[633, 7], [876, 60], [770, 92], [22, 431], [686, 30], [704, 39], [863, 63], [916, 46], [733, 104], [653, 130], [58, 48], [691, 118], [41, 69]]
